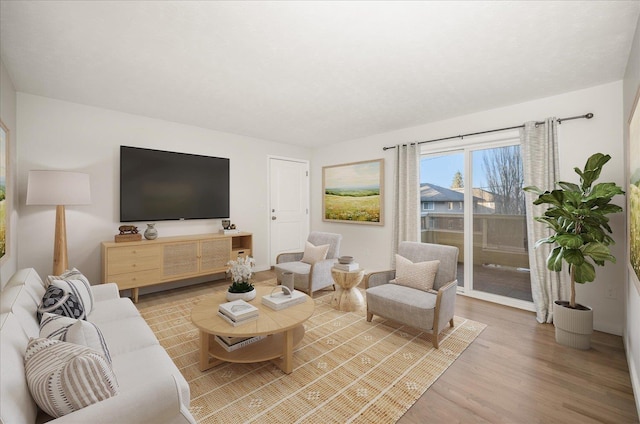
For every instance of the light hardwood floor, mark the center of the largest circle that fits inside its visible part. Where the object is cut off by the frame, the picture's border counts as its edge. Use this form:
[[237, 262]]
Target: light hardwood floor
[[514, 372]]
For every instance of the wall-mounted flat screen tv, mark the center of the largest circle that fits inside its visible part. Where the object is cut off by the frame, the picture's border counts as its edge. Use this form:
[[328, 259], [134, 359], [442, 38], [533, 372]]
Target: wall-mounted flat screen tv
[[157, 185]]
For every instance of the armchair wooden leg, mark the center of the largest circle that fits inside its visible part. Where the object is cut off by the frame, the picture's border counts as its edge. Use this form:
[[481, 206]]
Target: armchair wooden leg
[[451, 322], [435, 340], [369, 317]]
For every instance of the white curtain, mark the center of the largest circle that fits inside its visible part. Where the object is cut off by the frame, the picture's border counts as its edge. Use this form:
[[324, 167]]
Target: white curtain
[[406, 199], [539, 149]]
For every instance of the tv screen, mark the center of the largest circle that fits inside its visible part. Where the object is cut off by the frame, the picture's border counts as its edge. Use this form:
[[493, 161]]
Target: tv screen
[[157, 185]]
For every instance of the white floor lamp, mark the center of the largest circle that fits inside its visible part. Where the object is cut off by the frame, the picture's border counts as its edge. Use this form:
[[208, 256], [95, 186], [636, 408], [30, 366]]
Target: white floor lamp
[[58, 188]]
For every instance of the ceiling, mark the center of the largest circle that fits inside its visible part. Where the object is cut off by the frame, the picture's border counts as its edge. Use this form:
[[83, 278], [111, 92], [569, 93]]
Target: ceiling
[[312, 73]]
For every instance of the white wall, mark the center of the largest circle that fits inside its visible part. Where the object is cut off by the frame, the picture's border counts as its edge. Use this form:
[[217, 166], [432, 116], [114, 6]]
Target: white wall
[[56, 134], [8, 117], [371, 245], [632, 327]]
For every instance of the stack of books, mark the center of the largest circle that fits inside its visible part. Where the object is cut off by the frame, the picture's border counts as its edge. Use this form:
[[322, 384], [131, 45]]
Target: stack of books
[[353, 266], [232, 343], [237, 312], [234, 231], [280, 300]]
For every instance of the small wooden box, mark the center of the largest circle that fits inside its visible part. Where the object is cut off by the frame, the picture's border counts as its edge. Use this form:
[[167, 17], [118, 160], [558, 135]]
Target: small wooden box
[[119, 238]]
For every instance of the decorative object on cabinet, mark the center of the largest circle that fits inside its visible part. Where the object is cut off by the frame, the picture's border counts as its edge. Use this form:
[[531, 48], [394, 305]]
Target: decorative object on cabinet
[[151, 233], [127, 233]]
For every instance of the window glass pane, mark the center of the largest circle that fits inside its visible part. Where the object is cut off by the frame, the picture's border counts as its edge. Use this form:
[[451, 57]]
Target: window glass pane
[[441, 194], [500, 256]]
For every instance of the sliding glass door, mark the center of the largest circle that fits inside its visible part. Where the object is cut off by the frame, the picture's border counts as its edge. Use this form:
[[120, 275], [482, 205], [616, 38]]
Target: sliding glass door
[[500, 256], [471, 198]]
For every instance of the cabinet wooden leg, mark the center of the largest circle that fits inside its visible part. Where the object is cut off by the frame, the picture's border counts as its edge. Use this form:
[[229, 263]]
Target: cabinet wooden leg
[[134, 295]]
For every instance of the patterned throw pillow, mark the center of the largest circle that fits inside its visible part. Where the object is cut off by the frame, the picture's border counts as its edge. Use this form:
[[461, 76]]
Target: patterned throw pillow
[[419, 275], [313, 254], [65, 377], [74, 282], [58, 301], [72, 330]]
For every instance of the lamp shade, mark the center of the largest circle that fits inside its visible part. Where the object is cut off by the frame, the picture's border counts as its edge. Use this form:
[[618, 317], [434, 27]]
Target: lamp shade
[[58, 188]]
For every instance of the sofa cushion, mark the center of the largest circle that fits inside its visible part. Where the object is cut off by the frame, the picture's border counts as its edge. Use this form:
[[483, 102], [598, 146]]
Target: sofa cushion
[[112, 310], [16, 403], [17, 300], [65, 377], [30, 280], [72, 330], [58, 301], [420, 275], [313, 254], [74, 282], [145, 365], [127, 335]]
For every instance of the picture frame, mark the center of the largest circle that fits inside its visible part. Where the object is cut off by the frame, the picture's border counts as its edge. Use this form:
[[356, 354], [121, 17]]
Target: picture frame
[[5, 201], [354, 192], [633, 192]]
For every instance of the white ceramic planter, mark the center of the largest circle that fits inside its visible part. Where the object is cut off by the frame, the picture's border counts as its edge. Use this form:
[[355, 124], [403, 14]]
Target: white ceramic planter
[[244, 296], [573, 326]]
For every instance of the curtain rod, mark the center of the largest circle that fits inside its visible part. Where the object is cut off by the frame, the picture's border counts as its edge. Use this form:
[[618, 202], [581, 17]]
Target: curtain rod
[[585, 116]]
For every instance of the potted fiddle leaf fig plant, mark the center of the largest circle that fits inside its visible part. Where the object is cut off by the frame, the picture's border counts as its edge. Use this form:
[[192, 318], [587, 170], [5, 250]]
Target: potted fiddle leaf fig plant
[[577, 217]]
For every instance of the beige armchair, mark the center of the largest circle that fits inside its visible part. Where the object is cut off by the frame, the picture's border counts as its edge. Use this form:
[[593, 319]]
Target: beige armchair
[[310, 277], [424, 310]]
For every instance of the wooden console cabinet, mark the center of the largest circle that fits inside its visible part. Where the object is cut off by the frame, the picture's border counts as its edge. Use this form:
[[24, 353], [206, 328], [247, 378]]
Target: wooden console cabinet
[[136, 264]]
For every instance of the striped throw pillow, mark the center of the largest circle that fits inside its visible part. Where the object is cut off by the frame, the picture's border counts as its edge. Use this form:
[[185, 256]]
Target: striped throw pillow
[[73, 281], [65, 377], [76, 331]]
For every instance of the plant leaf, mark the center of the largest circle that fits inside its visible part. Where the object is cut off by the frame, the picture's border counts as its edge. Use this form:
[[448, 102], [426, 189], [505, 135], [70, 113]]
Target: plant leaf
[[598, 252], [584, 273], [554, 260], [574, 257], [569, 241]]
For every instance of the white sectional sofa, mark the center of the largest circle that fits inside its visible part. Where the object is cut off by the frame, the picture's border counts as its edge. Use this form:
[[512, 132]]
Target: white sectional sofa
[[151, 388]]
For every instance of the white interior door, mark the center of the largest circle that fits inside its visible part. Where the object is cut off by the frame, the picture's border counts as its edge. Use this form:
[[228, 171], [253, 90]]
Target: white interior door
[[288, 205]]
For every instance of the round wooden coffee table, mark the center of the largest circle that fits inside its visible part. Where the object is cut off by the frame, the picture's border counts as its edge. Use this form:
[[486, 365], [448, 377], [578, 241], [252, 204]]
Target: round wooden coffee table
[[283, 328]]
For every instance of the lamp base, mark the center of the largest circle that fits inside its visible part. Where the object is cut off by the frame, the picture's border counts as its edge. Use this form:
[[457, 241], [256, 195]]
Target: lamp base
[[60, 259]]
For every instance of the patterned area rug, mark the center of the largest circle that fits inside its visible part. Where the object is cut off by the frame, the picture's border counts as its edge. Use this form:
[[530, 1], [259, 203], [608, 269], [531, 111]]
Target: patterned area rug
[[346, 370]]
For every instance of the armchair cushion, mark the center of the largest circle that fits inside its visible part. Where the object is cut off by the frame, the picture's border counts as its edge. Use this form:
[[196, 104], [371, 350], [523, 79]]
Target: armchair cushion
[[403, 304], [420, 275], [313, 254]]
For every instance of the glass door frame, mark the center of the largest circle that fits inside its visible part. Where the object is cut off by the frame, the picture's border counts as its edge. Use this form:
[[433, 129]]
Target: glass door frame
[[467, 146]]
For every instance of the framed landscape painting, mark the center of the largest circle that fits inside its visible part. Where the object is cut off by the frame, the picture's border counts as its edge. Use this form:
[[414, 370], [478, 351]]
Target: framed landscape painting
[[353, 192], [633, 195], [4, 203]]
